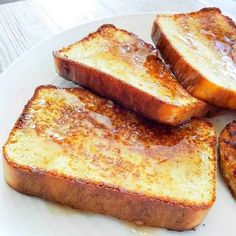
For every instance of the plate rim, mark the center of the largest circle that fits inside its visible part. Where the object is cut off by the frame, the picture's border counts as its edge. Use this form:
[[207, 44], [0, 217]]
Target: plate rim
[[67, 31]]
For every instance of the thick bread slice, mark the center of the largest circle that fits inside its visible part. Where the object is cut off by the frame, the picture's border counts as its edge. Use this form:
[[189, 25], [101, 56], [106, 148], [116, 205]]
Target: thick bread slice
[[118, 65], [227, 149], [72, 147], [201, 49]]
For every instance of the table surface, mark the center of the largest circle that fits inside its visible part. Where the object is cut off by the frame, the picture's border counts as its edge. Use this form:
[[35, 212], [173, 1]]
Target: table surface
[[24, 24]]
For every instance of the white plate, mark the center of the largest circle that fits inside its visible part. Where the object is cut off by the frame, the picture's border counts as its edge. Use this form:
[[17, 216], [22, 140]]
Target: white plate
[[23, 215]]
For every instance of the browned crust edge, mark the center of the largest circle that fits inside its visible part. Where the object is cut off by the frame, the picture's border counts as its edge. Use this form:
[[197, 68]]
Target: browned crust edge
[[192, 79], [222, 162], [132, 98], [100, 198]]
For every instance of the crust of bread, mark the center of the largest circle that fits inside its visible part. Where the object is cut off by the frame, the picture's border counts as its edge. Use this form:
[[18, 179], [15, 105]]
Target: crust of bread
[[192, 79], [125, 94], [120, 91], [87, 196], [227, 150]]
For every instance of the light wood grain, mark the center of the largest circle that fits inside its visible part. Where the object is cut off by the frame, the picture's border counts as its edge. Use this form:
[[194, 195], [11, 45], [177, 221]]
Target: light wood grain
[[24, 24]]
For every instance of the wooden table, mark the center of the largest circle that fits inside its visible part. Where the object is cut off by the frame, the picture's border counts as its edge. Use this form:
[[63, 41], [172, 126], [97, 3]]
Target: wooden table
[[24, 24]]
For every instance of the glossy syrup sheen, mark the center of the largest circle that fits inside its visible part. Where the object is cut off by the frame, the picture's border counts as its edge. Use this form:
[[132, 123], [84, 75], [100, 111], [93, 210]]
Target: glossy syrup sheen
[[207, 40], [75, 133], [130, 59]]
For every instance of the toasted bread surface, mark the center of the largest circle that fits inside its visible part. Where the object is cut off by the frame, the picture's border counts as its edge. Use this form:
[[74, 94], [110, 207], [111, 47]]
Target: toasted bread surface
[[201, 49], [75, 148], [118, 65], [227, 149]]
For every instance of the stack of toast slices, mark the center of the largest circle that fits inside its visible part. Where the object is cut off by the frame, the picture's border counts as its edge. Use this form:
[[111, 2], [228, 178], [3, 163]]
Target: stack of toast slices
[[136, 137], [117, 64]]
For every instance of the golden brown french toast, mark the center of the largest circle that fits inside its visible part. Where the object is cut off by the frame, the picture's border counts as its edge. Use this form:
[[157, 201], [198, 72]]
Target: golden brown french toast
[[201, 49], [227, 149], [73, 147], [118, 65]]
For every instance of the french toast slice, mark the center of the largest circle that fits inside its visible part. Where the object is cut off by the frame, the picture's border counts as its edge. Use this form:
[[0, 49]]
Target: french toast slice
[[227, 150], [118, 65], [73, 147], [201, 50]]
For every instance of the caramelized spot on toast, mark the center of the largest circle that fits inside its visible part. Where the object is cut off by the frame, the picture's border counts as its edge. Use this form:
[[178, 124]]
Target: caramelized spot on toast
[[72, 132], [130, 59], [227, 148]]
